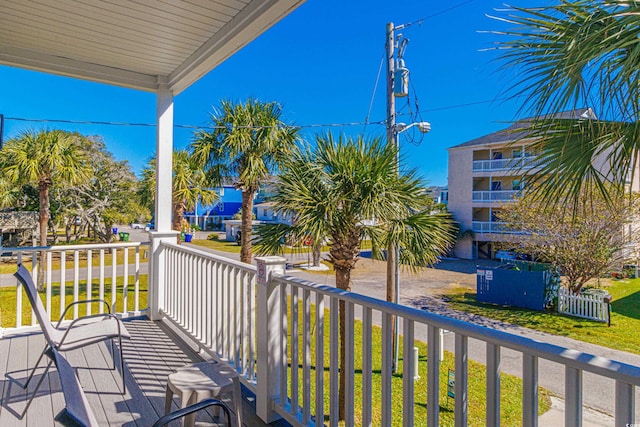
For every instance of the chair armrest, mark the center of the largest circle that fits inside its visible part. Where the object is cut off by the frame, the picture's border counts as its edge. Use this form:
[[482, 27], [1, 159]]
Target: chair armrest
[[89, 317], [86, 301], [194, 408]]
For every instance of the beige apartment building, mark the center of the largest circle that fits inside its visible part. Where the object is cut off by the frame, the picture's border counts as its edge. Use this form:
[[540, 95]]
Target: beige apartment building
[[485, 173]]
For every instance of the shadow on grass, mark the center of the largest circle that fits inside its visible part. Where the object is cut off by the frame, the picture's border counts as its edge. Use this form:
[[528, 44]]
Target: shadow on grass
[[628, 306], [546, 320]]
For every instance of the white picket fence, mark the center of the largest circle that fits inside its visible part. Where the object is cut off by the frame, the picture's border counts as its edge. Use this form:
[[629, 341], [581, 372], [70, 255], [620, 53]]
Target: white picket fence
[[588, 306]]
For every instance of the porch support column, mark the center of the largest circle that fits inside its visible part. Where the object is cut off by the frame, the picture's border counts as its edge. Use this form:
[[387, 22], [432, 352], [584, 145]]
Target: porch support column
[[270, 324], [164, 153], [164, 167]]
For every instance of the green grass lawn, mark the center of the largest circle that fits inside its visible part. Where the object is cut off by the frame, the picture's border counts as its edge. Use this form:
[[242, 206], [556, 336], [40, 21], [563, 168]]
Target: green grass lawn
[[8, 299], [625, 317]]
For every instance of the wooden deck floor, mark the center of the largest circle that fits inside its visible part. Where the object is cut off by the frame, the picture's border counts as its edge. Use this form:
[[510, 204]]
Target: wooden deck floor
[[153, 352]]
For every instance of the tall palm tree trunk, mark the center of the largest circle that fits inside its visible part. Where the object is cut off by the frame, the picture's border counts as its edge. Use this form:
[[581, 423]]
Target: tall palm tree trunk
[[246, 226], [315, 252], [43, 193], [343, 280]]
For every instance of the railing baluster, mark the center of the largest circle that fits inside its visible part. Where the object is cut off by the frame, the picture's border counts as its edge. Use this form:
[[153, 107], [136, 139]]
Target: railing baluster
[[349, 340], [295, 349], [461, 389], [529, 390], [227, 311], [320, 357], [76, 281], [284, 376], [136, 283], [252, 328], [19, 297], [237, 302], [387, 359], [63, 281], [245, 321], [408, 373], [573, 397], [88, 287], [625, 404], [333, 364], [367, 366], [493, 384], [125, 282], [218, 310], [433, 376], [207, 280], [49, 280], [306, 356], [101, 281], [114, 279]]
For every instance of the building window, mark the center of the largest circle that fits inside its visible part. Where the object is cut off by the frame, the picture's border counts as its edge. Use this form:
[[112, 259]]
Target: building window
[[497, 155], [516, 185], [221, 207], [496, 185], [517, 154]]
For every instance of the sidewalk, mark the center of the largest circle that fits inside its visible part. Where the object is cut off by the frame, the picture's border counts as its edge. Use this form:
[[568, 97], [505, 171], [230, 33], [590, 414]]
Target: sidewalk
[[590, 417]]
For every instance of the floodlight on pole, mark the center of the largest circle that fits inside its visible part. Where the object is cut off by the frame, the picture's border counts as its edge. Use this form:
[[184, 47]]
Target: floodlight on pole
[[423, 127]]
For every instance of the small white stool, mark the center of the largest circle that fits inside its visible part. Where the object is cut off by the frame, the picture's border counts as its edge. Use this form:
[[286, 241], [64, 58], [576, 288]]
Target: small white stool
[[195, 382]]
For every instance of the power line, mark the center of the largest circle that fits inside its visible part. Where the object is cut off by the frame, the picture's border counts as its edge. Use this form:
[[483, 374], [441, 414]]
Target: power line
[[182, 126], [420, 21], [469, 104], [314, 125]]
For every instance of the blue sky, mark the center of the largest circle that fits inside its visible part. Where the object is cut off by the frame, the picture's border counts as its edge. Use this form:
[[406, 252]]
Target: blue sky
[[321, 63]]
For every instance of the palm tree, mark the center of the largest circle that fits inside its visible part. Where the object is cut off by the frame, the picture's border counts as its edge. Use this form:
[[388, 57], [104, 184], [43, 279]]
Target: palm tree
[[42, 159], [569, 55], [348, 190], [248, 141], [9, 194], [189, 186]]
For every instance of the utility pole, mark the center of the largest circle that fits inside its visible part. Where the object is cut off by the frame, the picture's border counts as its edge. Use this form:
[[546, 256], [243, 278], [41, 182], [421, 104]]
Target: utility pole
[[392, 248]]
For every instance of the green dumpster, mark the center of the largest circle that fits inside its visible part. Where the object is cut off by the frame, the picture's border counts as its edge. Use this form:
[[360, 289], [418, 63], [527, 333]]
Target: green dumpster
[[124, 237]]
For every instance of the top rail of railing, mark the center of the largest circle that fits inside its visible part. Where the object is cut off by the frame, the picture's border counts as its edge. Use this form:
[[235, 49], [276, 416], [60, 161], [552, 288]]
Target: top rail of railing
[[88, 246], [209, 255]]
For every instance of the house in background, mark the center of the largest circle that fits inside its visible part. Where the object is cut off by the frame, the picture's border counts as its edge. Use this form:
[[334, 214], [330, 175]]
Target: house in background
[[265, 212], [18, 228], [210, 217], [487, 172], [439, 194]]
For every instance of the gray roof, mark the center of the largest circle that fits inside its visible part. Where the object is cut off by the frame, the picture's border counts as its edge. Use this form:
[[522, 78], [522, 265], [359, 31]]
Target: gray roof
[[516, 130]]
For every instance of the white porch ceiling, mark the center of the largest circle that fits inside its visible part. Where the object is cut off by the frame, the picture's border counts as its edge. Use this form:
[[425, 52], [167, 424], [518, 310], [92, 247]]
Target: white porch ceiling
[[132, 43]]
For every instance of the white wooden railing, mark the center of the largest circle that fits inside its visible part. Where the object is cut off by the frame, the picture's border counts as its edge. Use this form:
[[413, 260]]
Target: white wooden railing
[[212, 299], [102, 265], [226, 305], [494, 195], [492, 227], [594, 306], [514, 163]]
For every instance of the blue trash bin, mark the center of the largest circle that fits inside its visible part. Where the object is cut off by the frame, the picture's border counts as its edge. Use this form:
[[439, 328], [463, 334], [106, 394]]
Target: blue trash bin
[[114, 230]]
